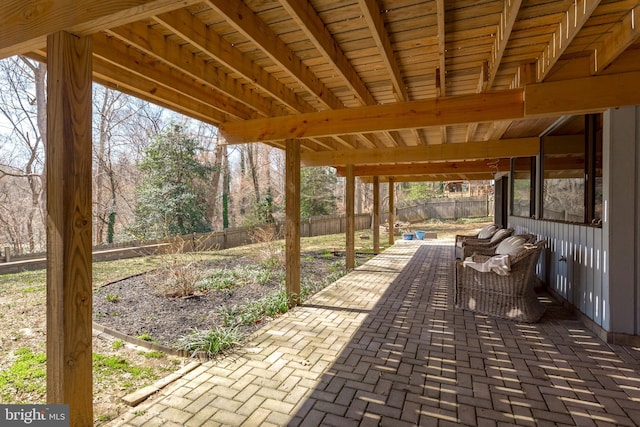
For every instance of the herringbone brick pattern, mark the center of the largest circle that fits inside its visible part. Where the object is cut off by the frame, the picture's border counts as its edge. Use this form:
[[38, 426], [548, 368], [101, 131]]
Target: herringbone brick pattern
[[383, 346]]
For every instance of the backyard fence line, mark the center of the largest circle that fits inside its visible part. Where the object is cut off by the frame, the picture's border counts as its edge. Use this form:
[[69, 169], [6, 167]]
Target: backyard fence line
[[229, 238], [443, 208], [414, 211]]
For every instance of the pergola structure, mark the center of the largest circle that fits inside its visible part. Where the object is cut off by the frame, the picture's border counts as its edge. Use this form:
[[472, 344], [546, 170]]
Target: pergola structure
[[387, 89]]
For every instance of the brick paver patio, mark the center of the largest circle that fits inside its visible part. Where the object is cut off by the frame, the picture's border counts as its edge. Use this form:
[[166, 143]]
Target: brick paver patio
[[383, 346]]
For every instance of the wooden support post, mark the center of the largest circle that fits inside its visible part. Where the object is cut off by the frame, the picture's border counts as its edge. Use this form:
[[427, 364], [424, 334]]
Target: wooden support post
[[376, 215], [392, 209], [69, 322], [351, 222], [292, 223]]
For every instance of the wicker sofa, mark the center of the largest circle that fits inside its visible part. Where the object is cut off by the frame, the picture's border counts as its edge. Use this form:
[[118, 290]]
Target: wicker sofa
[[469, 245], [484, 234], [508, 296]]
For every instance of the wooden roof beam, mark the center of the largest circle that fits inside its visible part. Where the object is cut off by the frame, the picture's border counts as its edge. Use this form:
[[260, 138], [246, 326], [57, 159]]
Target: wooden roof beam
[[114, 51], [503, 32], [463, 109], [474, 166], [441, 71], [474, 176], [194, 31], [581, 96], [25, 24], [624, 34], [310, 23], [578, 96], [133, 84], [371, 12], [154, 44], [246, 22], [561, 163], [524, 76], [375, 22], [503, 148], [574, 18], [472, 127]]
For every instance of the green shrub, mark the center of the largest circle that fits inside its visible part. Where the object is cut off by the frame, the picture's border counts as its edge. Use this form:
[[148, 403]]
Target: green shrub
[[253, 312], [210, 342]]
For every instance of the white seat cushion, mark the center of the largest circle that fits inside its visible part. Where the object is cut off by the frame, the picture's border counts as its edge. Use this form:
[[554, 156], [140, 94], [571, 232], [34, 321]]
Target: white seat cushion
[[511, 246], [499, 235], [486, 232]]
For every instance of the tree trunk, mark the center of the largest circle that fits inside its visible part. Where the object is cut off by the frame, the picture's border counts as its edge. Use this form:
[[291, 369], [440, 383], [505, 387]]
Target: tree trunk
[[215, 183], [252, 169], [100, 171], [226, 189], [40, 74]]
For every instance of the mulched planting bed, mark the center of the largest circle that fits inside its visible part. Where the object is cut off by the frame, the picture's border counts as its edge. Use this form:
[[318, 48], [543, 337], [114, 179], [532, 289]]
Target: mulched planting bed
[[138, 305]]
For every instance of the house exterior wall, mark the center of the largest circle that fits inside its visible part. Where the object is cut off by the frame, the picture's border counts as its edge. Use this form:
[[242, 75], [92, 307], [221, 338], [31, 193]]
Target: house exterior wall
[[597, 270], [572, 264], [621, 224]]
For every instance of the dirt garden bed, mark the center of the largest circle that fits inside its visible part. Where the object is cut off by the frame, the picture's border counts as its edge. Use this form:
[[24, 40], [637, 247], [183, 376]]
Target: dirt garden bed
[[141, 306]]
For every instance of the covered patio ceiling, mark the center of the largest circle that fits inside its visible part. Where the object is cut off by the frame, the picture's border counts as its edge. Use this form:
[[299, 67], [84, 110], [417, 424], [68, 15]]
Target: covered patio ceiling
[[429, 89]]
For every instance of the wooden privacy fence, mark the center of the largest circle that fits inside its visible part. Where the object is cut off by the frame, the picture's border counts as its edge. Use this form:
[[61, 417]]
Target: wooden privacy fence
[[444, 208], [229, 238]]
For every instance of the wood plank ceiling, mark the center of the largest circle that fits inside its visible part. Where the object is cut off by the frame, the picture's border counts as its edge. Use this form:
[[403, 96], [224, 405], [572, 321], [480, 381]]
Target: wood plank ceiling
[[381, 80]]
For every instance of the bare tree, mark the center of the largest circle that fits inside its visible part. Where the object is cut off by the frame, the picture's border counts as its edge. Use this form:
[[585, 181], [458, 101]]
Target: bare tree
[[123, 127], [23, 108]]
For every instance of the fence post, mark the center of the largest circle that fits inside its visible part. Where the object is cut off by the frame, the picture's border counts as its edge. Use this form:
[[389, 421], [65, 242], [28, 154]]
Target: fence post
[[7, 253], [486, 197]]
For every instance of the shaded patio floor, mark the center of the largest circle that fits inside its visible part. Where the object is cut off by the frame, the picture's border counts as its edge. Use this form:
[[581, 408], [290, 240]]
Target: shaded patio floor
[[383, 346]]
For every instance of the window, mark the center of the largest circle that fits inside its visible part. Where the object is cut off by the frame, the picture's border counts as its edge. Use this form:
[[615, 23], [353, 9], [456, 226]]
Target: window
[[563, 188], [572, 189], [523, 172]]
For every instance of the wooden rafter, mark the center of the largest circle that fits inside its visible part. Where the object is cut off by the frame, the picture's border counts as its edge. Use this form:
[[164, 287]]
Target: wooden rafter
[[557, 163], [624, 34], [503, 32], [306, 17], [310, 23], [406, 115], [251, 26], [441, 72], [25, 24], [566, 30], [167, 92], [128, 82], [472, 127], [112, 50], [475, 176], [245, 21], [375, 21], [474, 166], [437, 152], [193, 30], [371, 11], [582, 96], [152, 43]]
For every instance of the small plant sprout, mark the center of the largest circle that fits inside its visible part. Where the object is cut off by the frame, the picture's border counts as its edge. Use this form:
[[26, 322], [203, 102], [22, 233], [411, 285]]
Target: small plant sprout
[[112, 298]]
